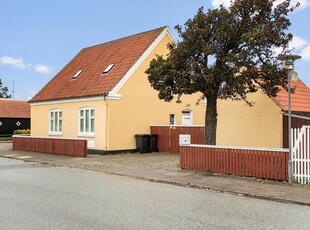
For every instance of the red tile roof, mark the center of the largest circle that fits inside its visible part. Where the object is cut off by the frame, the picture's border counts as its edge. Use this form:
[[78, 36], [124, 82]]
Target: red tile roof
[[300, 99], [93, 61], [10, 108]]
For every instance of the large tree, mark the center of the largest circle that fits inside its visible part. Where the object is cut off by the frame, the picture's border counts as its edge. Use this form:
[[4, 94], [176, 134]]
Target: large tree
[[225, 53], [4, 91]]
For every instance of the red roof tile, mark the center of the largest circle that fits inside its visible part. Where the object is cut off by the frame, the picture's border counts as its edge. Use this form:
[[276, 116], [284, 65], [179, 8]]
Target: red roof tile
[[300, 99], [93, 61], [10, 108]]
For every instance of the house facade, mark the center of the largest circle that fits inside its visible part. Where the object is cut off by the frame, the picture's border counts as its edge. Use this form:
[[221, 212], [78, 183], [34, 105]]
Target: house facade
[[14, 114], [103, 95], [264, 124]]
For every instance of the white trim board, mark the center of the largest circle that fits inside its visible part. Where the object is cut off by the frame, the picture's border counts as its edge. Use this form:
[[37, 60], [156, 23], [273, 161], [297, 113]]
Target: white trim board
[[142, 58], [82, 99], [236, 147], [49, 137], [297, 116]]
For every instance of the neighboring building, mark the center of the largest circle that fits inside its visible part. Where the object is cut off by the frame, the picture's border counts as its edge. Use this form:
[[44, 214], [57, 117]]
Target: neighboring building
[[103, 95], [264, 124], [14, 114]]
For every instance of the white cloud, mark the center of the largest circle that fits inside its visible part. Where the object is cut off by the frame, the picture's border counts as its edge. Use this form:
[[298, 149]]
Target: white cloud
[[297, 43], [303, 3], [302, 45], [217, 3], [17, 63], [43, 69], [277, 51], [305, 53]]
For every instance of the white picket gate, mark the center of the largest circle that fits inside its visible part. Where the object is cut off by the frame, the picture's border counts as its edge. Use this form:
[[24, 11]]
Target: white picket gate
[[301, 154]]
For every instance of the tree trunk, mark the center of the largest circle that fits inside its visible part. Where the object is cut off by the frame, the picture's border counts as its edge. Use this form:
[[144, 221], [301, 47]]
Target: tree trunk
[[211, 120]]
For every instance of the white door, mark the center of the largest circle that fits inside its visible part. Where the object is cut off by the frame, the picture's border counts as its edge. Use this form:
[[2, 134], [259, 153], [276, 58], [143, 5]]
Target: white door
[[187, 118]]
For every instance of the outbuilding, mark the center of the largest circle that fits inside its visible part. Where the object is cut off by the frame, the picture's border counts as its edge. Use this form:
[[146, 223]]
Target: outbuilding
[[14, 114]]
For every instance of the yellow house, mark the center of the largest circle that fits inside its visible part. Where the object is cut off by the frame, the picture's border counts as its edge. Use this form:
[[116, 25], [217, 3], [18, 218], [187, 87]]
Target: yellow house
[[264, 124], [103, 95]]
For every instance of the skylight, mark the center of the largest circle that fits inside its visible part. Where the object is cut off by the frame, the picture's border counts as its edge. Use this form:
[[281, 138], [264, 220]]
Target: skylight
[[77, 74], [107, 70]]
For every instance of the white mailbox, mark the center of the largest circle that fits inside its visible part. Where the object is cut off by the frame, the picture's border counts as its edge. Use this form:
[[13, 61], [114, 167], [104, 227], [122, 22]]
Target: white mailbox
[[185, 139]]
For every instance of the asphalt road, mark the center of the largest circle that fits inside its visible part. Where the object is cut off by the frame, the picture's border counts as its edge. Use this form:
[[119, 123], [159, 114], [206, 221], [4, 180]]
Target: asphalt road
[[38, 196]]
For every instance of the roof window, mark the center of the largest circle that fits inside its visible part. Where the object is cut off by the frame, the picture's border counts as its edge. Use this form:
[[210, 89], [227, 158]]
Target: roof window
[[77, 74], [107, 70]]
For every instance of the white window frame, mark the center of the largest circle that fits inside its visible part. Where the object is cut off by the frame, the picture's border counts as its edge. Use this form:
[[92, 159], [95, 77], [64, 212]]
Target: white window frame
[[172, 117], [190, 117], [84, 119], [77, 74], [108, 69], [55, 122]]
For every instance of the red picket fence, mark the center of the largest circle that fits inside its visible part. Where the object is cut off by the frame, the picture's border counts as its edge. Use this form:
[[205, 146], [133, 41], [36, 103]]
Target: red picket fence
[[168, 136], [67, 147], [253, 162]]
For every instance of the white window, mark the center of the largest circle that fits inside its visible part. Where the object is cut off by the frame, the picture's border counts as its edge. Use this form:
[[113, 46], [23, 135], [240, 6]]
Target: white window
[[55, 122], [86, 122], [107, 70], [171, 119], [187, 117], [77, 74]]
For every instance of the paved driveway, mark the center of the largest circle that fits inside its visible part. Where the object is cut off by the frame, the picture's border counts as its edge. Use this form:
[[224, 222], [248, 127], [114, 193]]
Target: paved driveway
[[5, 146], [165, 161]]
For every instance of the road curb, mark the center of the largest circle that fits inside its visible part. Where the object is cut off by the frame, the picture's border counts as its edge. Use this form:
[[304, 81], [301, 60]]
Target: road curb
[[208, 188]]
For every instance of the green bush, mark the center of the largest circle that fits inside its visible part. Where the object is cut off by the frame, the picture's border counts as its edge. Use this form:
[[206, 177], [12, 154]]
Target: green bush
[[22, 132], [5, 139]]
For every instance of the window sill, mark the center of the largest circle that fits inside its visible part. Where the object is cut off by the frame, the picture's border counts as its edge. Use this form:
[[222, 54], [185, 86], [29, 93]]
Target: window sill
[[86, 134], [55, 133]]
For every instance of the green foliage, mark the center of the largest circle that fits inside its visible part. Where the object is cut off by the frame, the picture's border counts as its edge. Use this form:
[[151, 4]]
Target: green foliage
[[4, 91], [4, 139], [240, 40], [22, 132], [225, 53]]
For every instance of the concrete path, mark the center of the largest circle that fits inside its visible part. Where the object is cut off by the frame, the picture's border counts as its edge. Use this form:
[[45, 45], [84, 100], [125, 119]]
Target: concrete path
[[163, 168]]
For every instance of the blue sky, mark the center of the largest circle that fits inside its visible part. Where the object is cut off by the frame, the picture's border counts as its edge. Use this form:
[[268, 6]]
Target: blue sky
[[39, 37]]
